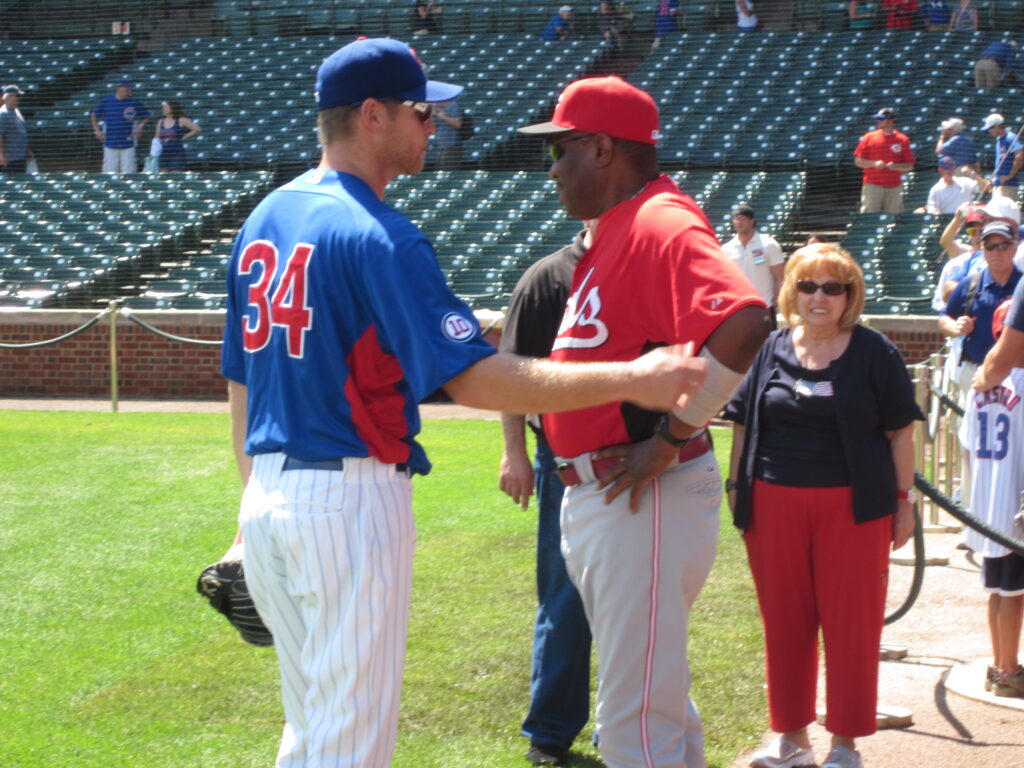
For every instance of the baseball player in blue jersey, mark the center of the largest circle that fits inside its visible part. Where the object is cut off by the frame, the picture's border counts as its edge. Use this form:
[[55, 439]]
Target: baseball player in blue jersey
[[338, 323]]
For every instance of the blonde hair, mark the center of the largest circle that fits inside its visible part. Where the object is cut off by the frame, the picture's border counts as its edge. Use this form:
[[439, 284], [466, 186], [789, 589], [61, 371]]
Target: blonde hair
[[336, 123], [829, 258]]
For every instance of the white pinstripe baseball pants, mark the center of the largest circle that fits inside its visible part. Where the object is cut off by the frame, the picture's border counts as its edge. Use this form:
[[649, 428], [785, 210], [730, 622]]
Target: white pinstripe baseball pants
[[328, 560], [639, 576]]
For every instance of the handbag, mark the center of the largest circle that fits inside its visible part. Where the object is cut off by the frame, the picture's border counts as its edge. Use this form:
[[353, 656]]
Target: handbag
[[156, 147]]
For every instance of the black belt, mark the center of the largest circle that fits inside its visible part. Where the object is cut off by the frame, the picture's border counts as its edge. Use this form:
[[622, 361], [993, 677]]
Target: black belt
[[331, 465]]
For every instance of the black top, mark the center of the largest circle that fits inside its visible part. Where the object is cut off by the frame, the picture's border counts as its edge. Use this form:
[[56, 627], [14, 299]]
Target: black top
[[538, 303], [800, 445], [873, 394]]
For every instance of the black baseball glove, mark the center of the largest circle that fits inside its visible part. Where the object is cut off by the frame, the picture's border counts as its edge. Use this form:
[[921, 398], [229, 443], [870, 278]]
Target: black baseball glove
[[223, 584]]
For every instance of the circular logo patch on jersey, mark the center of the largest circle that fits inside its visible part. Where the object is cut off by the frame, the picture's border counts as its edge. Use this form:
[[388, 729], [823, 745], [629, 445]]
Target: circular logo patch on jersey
[[458, 328], [896, 148]]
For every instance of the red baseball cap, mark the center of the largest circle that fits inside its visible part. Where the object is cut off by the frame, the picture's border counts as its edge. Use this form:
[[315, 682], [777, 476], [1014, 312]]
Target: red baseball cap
[[603, 105]]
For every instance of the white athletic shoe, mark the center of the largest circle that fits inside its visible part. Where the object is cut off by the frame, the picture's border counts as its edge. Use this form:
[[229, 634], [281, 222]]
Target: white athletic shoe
[[843, 757], [782, 753]]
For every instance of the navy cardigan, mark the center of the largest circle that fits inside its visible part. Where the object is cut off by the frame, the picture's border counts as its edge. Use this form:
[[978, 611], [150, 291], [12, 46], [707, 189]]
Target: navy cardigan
[[875, 395]]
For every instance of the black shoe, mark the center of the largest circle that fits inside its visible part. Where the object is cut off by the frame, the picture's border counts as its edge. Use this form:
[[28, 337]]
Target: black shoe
[[547, 754]]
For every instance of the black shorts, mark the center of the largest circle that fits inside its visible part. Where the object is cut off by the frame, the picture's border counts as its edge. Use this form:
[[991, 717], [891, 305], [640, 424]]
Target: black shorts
[[1003, 575]]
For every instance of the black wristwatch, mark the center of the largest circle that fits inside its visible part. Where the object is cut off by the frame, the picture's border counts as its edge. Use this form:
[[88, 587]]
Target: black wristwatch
[[730, 486], [662, 431]]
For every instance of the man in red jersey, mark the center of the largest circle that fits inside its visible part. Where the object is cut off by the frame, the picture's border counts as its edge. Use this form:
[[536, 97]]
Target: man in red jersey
[[885, 155], [640, 512]]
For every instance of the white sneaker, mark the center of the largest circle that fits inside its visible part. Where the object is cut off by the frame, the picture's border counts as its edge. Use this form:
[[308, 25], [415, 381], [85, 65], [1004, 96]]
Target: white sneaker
[[782, 753], [843, 757]]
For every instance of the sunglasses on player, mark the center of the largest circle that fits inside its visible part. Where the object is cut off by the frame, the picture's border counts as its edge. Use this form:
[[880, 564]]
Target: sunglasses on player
[[424, 111], [557, 151], [830, 288]]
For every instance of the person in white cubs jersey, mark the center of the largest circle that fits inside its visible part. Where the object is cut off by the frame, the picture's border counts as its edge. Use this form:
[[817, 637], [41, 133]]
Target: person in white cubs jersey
[[992, 431], [338, 324]]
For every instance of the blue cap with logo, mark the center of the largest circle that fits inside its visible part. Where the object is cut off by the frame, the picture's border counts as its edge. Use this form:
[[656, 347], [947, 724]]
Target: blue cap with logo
[[125, 82], [376, 68]]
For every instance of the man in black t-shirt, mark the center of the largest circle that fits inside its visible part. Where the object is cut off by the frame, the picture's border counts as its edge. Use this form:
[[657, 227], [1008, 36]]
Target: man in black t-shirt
[[560, 674]]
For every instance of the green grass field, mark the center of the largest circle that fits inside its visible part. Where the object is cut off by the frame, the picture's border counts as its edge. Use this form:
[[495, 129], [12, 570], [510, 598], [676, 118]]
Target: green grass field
[[108, 657]]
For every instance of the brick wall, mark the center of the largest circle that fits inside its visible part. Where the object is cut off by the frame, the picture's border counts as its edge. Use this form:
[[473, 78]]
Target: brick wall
[[151, 367]]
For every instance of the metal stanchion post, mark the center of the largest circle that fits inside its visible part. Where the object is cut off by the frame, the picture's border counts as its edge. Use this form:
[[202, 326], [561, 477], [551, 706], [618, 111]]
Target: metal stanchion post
[[113, 356]]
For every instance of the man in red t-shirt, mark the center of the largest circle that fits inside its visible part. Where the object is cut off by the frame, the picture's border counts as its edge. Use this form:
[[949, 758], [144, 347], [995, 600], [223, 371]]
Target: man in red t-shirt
[[885, 155], [640, 512], [901, 13]]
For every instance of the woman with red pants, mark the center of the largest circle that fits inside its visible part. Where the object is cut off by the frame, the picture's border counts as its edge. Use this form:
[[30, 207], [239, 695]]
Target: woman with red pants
[[822, 471]]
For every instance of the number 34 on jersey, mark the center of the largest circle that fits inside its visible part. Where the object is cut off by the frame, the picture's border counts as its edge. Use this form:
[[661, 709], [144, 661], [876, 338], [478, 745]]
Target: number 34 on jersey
[[287, 306]]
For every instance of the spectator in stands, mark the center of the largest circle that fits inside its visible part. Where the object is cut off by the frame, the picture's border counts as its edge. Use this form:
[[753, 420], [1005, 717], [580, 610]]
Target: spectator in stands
[[1008, 349], [448, 136], [885, 155], [1008, 156], [123, 117], [862, 14], [425, 17], [972, 304], [901, 13], [960, 255], [954, 143], [613, 16], [746, 19], [559, 27], [173, 130], [936, 15], [666, 21], [964, 17], [821, 474], [14, 149], [950, 192], [995, 66], [758, 255]]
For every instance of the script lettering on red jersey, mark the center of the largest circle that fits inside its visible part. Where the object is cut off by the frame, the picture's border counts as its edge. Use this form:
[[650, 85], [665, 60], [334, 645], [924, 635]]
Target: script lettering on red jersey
[[581, 314]]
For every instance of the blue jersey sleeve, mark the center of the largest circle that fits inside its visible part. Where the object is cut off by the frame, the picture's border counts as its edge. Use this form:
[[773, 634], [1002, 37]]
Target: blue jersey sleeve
[[421, 322], [1015, 317], [232, 358]]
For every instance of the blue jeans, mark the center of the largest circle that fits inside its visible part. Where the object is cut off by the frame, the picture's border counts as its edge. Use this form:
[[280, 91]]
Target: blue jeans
[[560, 669]]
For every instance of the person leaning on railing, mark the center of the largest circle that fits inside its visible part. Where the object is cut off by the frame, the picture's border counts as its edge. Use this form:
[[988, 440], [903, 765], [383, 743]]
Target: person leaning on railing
[[822, 472]]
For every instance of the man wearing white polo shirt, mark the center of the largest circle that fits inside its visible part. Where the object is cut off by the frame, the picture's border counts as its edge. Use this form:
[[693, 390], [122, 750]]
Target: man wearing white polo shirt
[[950, 191], [758, 255]]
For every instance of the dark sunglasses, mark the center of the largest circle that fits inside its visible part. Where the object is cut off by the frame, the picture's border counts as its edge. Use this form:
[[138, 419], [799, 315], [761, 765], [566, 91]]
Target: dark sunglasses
[[424, 111], [1003, 246], [829, 289], [558, 150]]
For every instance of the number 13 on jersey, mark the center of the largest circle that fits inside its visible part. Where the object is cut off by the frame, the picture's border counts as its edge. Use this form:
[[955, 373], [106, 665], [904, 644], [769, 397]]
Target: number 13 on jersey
[[993, 440], [287, 306]]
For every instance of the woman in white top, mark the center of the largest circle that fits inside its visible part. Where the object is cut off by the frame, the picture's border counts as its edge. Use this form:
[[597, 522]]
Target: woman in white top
[[746, 20]]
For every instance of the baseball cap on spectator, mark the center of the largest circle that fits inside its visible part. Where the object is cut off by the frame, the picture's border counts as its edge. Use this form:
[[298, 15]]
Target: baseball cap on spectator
[[1000, 207], [976, 216], [994, 119], [125, 82], [376, 68], [606, 105], [946, 162], [13, 89], [565, 8], [743, 210], [953, 124], [885, 113], [999, 228]]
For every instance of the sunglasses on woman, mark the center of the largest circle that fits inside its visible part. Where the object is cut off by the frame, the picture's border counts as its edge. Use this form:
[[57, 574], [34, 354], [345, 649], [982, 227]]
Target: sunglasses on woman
[[830, 288]]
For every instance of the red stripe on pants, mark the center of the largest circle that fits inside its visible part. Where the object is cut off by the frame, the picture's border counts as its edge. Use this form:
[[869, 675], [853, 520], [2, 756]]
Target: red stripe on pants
[[814, 566]]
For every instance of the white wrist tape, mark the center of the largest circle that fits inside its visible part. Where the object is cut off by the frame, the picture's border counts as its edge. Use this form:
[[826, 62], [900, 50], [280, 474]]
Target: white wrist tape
[[718, 387]]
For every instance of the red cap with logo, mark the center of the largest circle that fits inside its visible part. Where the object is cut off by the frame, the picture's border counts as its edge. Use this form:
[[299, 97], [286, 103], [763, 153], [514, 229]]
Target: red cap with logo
[[607, 105]]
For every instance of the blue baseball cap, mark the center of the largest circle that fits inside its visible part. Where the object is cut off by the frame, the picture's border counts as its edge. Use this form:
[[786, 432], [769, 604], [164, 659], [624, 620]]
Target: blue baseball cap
[[947, 162], [125, 82], [376, 68]]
